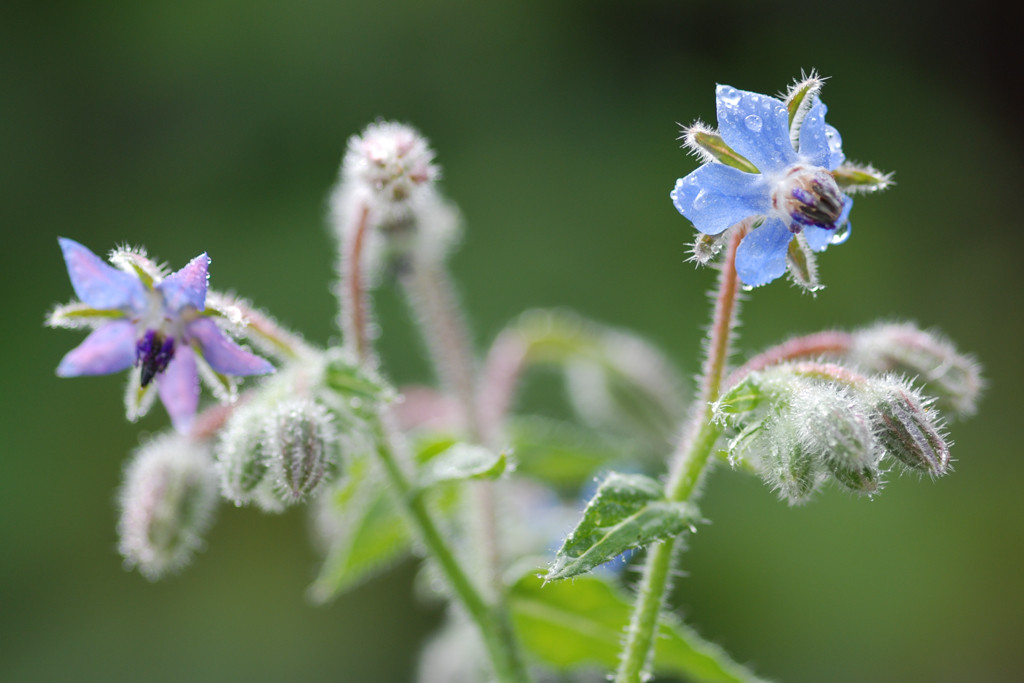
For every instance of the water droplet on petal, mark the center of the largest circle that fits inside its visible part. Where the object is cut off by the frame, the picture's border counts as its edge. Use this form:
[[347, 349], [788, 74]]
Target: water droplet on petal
[[841, 234], [729, 96], [754, 123]]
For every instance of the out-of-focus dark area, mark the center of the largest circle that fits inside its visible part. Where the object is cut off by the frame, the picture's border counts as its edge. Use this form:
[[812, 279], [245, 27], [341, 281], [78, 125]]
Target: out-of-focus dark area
[[219, 127]]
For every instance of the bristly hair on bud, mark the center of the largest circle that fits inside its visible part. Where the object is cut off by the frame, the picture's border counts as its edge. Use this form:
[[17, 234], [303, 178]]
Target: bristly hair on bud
[[834, 426], [167, 503], [300, 440], [908, 429], [241, 461]]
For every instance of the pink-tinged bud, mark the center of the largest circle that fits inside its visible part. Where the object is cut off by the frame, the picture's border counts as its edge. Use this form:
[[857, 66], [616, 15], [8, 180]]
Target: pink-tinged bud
[[928, 358], [167, 503], [300, 441], [909, 431], [391, 160]]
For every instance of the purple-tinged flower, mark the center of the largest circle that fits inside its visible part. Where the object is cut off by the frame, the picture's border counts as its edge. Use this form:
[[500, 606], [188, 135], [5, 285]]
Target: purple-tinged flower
[[778, 163], [155, 322]]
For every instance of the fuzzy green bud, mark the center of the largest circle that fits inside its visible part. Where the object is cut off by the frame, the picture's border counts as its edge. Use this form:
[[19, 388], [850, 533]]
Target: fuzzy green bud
[[299, 440], [835, 426], [241, 460], [167, 502]]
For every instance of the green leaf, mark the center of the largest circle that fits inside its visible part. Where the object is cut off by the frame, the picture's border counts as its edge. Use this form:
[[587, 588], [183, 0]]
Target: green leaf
[[562, 454], [628, 511], [581, 623], [369, 533], [713, 144], [460, 462]]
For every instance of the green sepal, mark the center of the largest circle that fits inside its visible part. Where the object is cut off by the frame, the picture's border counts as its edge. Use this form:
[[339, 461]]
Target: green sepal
[[714, 145], [581, 623], [803, 265], [369, 533], [855, 178], [741, 398], [78, 314], [799, 101], [627, 511], [462, 462], [351, 380]]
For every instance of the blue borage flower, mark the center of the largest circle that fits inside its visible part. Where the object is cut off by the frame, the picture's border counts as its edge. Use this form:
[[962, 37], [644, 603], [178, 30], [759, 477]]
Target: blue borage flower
[[780, 165], [158, 324]]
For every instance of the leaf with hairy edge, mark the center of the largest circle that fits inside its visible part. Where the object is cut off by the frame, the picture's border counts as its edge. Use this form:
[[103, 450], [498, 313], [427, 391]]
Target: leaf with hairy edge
[[581, 623], [367, 533], [628, 511]]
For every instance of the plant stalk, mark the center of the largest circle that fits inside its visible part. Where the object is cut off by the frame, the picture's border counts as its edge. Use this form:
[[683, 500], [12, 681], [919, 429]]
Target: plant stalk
[[688, 465]]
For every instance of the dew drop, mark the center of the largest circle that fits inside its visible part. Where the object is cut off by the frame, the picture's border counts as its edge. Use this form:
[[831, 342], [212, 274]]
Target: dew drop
[[754, 123], [841, 234], [729, 96]]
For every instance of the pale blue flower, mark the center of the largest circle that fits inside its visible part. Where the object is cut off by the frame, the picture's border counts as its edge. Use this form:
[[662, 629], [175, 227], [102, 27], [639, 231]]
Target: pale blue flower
[[158, 324], [787, 183]]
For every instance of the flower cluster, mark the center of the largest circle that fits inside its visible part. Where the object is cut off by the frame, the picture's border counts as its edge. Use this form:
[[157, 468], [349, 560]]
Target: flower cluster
[[777, 165], [155, 322]]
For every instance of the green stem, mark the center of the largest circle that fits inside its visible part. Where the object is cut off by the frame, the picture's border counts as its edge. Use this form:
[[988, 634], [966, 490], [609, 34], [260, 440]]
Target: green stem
[[492, 620], [432, 297], [688, 464]]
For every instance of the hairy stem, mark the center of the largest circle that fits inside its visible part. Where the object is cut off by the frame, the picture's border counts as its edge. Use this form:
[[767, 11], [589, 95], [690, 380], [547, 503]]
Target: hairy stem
[[491, 619], [432, 297], [688, 464]]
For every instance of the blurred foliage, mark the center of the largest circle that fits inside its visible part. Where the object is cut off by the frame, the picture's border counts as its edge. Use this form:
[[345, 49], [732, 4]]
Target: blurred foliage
[[219, 126]]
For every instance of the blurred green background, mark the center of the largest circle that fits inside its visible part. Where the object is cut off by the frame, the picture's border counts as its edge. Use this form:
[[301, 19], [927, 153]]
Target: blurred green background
[[219, 126]]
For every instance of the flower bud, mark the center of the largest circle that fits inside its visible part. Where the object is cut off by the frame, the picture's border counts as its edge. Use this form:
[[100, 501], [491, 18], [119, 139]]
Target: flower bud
[[167, 502], [299, 440], [773, 448], [835, 426], [929, 358], [241, 460], [909, 431]]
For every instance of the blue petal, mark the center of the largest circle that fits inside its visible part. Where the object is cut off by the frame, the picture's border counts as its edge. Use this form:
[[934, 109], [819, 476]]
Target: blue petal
[[761, 256], [179, 388], [97, 284], [756, 126], [108, 349], [820, 142], [222, 354], [187, 287], [814, 143], [716, 196], [818, 238]]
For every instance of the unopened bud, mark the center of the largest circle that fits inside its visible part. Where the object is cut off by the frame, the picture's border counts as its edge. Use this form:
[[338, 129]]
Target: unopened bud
[[167, 503], [773, 448], [241, 461], [835, 426], [929, 358], [909, 431], [299, 439]]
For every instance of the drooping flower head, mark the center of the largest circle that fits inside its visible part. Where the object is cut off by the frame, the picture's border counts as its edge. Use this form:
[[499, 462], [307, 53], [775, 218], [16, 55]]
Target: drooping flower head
[[777, 163], [156, 322]]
